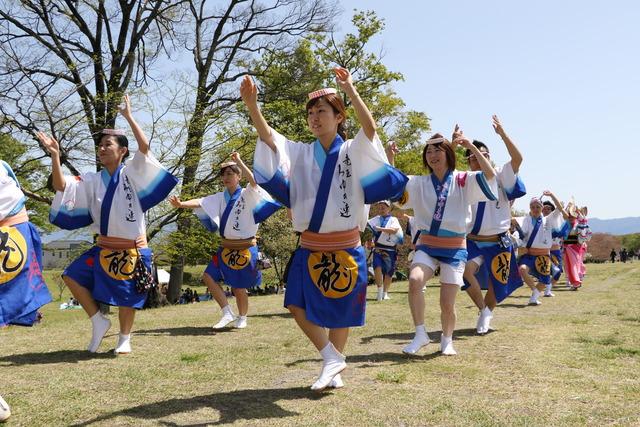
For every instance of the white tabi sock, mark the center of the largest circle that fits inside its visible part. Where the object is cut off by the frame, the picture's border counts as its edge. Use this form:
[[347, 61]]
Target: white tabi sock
[[99, 327], [334, 363], [419, 340], [446, 346], [124, 344]]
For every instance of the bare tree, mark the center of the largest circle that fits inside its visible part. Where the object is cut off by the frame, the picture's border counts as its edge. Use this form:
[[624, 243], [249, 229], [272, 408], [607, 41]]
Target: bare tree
[[224, 41], [65, 65]]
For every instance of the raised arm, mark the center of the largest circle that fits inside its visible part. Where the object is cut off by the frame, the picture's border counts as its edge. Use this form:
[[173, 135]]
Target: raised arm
[[245, 170], [53, 148], [344, 80], [189, 204], [249, 94], [557, 202], [485, 165], [514, 153], [391, 149], [141, 138]]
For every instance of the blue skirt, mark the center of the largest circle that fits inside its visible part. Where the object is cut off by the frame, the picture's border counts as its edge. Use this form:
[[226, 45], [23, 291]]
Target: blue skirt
[[386, 260], [108, 275], [237, 268], [539, 267], [22, 288], [330, 286], [498, 270]]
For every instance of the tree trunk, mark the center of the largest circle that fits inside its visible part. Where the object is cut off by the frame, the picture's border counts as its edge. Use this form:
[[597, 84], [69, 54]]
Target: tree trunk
[[175, 282]]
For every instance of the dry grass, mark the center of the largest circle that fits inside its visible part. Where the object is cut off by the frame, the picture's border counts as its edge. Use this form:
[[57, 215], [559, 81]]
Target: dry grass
[[572, 361]]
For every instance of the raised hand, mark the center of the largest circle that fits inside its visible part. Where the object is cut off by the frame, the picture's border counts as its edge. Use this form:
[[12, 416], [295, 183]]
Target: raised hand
[[460, 139], [249, 91], [124, 107], [457, 133], [175, 202], [344, 80], [391, 149], [497, 126], [235, 156], [49, 143]]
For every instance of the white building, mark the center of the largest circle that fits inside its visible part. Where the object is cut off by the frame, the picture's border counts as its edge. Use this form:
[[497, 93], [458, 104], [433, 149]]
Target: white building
[[59, 253]]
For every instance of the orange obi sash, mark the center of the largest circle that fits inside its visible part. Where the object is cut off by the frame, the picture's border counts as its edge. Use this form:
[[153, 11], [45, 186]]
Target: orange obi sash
[[490, 238], [536, 251], [555, 247], [116, 243], [238, 243], [329, 242], [16, 219], [443, 242]]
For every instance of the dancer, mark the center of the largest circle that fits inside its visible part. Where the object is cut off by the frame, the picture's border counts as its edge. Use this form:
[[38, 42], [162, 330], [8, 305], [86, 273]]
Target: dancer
[[327, 185], [555, 253], [575, 245], [235, 213], [492, 257], [113, 201], [387, 235], [537, 238], [22, 287], [442, 231]]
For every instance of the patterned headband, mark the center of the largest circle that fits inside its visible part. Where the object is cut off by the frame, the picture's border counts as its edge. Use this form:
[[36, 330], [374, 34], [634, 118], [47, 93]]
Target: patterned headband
[[322, 92]]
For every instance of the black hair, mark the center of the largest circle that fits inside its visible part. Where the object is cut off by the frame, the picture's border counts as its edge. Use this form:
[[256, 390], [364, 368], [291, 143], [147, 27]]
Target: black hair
[[548, 203], [120, 139], [479, 145]]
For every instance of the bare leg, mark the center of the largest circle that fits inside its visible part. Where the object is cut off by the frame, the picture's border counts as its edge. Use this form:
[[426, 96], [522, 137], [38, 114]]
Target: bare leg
[[474, 291], [216, 290], [490, 298], [242, 299], [377, 274], [316, 334], [448, 293], [126, 316], [387, 283], [82, 295], [338, 337], [418, 276], [524, 273]]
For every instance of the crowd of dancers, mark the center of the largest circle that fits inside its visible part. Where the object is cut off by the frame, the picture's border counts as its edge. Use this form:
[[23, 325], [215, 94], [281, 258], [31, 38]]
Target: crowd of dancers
[[461, 225]]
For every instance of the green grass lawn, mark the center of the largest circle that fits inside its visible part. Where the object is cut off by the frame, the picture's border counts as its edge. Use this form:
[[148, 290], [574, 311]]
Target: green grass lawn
[[574, 360]]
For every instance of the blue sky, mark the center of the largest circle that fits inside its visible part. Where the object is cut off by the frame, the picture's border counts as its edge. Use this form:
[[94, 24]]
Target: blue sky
[[563, 76]]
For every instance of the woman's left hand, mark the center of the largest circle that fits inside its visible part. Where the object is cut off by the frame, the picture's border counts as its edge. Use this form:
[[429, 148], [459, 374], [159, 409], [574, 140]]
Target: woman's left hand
[[124, 107], [344, 79]]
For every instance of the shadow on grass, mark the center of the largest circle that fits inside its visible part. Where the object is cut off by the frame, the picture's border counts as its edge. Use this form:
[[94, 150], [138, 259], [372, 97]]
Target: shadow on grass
[[60, 356], [233, 406], [184, 330], [368, 360], [515, 305], [283, 315]]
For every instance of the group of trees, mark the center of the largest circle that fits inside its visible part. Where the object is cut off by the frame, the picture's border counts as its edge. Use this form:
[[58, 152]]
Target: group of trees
[[65, 65]]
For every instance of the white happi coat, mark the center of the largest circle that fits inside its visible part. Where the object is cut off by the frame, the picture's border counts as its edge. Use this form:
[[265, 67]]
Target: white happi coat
[[11, 196], [466, 189], [385, 238], [497, 214], [543, 239], [362, 165], [144, 182], [253, 206]]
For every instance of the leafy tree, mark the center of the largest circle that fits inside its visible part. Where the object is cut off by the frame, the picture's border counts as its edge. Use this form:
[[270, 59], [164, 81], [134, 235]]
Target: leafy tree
[[32, 176]]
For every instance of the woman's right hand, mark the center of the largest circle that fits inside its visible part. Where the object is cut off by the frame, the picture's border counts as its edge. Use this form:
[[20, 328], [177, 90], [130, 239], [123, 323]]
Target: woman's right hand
[[49, 143], [175, 202], [391, 150], [249, 91]]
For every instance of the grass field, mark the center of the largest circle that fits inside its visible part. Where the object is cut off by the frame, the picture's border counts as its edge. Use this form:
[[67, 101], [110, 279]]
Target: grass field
[[574, 360]]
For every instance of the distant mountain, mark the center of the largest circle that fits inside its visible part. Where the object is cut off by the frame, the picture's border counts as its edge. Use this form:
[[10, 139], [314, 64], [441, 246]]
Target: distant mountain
[[616, 226]]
